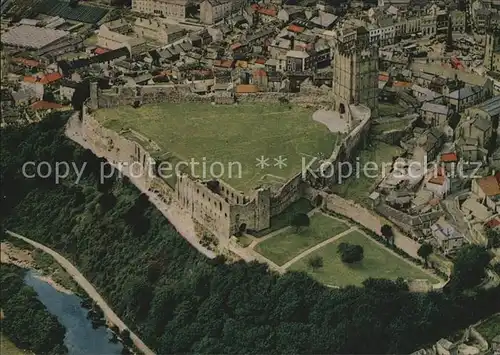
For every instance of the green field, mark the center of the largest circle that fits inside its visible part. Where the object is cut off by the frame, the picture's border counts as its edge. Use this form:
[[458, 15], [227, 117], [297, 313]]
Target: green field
[[358, 187], [288, 244], [490, 328], [378, 262], [233, 136]]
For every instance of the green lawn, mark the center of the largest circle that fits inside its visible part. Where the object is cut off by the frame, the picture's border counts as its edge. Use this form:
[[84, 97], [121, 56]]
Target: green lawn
[[359, 186], [233, 136], [288, 244], [283, 219], [385, 109], [490, 328], [382, 126], [378, 262]]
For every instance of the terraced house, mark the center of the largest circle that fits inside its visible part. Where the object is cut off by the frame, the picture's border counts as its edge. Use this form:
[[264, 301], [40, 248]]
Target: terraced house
[[175, 9]]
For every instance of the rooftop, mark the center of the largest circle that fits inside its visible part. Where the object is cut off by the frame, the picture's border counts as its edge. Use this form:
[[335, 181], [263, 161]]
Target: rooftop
[[32, 37]]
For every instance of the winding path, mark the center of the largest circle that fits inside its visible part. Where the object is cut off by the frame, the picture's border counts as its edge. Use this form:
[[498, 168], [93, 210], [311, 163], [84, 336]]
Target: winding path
[[89, 289]]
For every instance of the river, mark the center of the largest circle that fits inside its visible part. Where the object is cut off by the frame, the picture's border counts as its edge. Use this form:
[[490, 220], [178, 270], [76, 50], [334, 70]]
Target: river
[[81, 338]]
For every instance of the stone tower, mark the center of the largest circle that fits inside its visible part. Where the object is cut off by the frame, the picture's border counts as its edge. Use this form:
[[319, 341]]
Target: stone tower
[[355, 71], [492, 51]]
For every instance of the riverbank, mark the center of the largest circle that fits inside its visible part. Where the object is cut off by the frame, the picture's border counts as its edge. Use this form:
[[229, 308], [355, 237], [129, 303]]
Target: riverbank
[[26, 259], [26, 321]]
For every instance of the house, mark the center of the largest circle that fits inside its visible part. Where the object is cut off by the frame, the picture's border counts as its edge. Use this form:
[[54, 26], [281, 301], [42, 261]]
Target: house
[[324, 20], [449, 161], [291, 13], [488, 191], [298, 61], [474, 210], [447, 237], [423, 94], [478, 129], [466, 97], [67, 88], [212, 11], [157, 31], [39, 83], [428, 146], [223, 94], [113, 40], [175, 9], [438, 182], [435, 115], [489, 110]]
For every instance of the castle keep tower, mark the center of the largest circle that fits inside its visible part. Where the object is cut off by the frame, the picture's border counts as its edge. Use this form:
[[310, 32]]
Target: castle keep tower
[[492, 51], [355, 71]]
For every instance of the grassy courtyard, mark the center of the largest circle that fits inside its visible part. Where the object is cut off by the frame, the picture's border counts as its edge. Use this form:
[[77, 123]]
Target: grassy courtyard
[[232, 137], [289, 243], [377, 263], [283, 219]]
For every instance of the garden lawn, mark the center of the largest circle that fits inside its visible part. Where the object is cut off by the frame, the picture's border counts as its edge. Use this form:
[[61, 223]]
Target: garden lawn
[[233, 137], [289, 243], [378, 262]]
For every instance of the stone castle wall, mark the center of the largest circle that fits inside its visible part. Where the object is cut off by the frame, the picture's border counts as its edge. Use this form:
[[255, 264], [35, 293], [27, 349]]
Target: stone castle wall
[[288, 194], [225, 212]]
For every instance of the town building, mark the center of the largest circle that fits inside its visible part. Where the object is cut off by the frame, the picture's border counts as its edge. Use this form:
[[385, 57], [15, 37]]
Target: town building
[[212, 11], [175, 9], [435, 114], [492, 51], [158, 31], [447, 237]]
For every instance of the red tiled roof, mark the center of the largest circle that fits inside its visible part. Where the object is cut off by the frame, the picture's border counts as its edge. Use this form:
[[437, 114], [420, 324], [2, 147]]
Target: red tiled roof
[[295, 28], [27, 62], [434, 202], [401, 84], [45, 105], [490, 185], [437, 180], [235, 46], [382, 77], [246, 88], [493, 223], [47, 79], [449, 157], [268, 12], [100, 50], [223, 63], [260, 61], [259, 72]]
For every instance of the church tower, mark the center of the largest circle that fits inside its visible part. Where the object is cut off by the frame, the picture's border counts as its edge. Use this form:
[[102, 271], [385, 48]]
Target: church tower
[[355, 71], [492, 50]]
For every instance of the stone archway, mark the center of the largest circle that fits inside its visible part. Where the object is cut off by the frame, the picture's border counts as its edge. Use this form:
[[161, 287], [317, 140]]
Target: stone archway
[[342, 109], [242, 228]]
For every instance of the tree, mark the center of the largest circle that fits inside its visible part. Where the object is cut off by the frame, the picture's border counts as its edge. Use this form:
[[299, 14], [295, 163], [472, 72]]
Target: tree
[[350, 253], [315, 262], [388, 233], [300, 220], [469, 267], [424, 251]]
